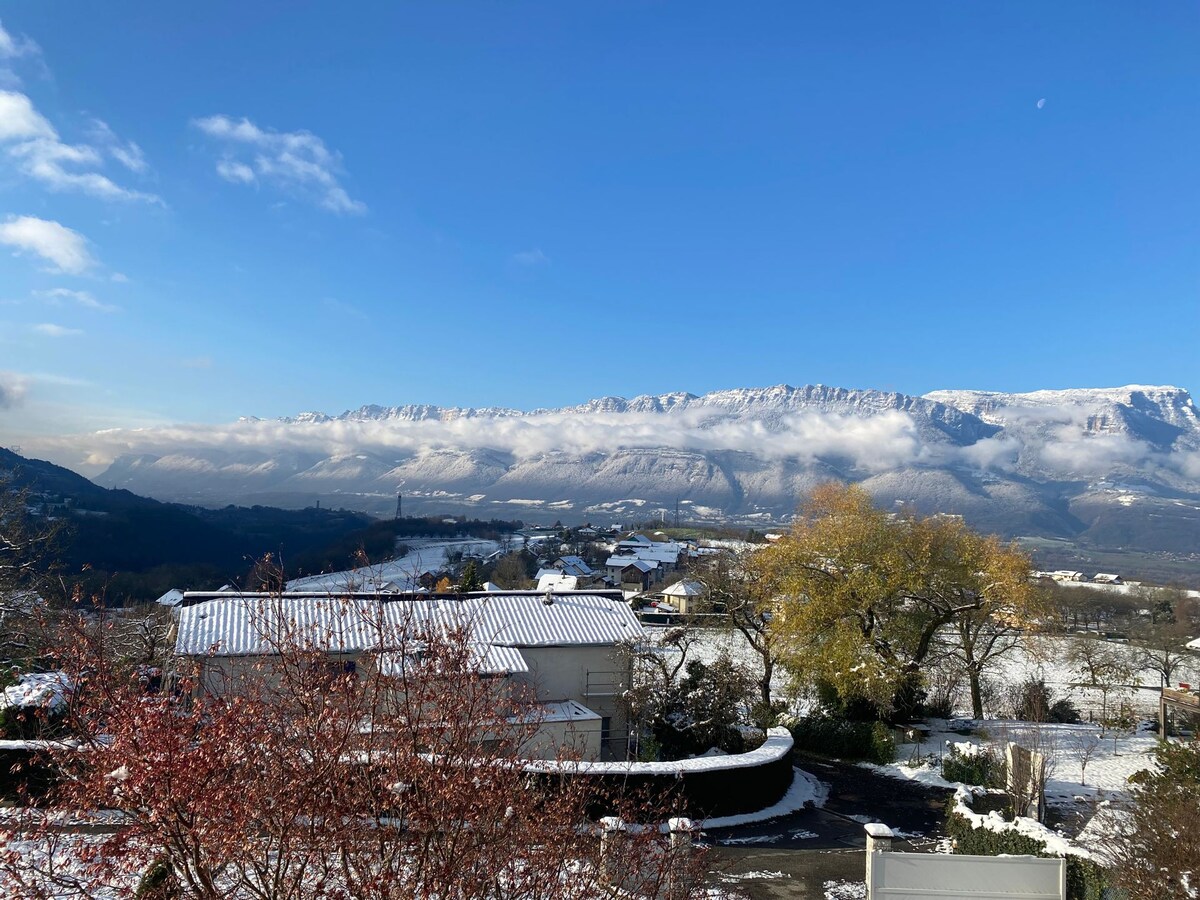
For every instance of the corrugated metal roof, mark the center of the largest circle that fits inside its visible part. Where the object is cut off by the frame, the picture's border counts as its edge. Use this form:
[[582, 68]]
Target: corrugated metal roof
[[485, 659], [246, 625]]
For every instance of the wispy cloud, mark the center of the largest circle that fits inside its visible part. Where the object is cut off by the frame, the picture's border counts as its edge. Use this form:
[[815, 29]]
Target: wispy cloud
[[196, 362], [39, 153], [127, 153], [65, 249], [237, 173], [297, 162], [49, 329], [16, 46], [342, 308], [82, 298], [534, 257], [12, 389], [13, 48]]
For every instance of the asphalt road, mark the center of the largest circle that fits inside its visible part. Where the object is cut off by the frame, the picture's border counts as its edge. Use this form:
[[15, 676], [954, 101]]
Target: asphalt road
[[819, 853]]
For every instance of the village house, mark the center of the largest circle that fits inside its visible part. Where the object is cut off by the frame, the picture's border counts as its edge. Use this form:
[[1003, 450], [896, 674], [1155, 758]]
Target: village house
[[561, 648], [633, 575], [685, 596]]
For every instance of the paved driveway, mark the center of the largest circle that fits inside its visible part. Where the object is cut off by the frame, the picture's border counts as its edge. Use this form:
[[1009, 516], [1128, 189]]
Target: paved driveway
[[819, 854]]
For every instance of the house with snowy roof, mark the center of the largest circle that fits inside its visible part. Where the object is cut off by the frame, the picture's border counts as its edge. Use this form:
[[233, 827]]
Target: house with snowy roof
[[684, 596], [632, 574], [561, 648], [573, 565]]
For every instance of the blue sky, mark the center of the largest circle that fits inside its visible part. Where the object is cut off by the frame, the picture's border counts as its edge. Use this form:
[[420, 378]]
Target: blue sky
[[225, 209]]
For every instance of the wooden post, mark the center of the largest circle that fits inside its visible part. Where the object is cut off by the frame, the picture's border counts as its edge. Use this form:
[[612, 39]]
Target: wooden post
[[612, 848], [879, 840], [681, 842]]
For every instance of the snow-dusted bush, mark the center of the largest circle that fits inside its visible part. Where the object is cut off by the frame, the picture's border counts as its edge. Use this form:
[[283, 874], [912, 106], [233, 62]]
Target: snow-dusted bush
[[843, 739], [990, 835], [972, 764]]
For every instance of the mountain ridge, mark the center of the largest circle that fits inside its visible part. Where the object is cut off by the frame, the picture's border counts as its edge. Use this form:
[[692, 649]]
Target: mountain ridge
[[1046, 463]]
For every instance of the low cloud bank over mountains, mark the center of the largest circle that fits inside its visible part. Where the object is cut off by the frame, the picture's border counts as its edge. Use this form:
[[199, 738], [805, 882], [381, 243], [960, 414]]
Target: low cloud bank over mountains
[[1051, 463]]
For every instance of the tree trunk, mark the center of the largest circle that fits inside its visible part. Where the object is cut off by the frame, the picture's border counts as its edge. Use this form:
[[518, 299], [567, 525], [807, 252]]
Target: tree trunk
[[764, 686], [976, 693]]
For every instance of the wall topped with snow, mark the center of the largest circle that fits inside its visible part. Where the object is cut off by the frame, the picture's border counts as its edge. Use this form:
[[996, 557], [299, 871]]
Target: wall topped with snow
[[701, 788]]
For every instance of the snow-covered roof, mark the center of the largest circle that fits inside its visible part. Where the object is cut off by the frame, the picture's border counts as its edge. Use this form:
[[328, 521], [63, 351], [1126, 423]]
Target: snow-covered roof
[[557, 581], [491, 587], [574, 565], [173, 597], [684, 589], [624, 562], [255, 624], [561, 711]]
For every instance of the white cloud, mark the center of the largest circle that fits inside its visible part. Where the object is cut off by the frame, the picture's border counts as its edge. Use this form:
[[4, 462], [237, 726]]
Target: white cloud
[[38, 151], [49, 329], [83, 298], [67, 250], [127, 153], [19, 121], [1050, 443], [236, 172], [294, 161], [12, 389], [16, 47]]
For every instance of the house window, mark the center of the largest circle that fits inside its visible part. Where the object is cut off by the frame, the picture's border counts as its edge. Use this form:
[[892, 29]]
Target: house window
[[605, 731]]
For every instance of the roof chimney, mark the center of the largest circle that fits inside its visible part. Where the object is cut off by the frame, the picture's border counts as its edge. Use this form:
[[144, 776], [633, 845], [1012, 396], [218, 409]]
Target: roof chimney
[[548, 600]]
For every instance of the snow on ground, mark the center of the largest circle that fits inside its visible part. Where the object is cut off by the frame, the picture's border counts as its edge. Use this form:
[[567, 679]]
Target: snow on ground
[[745, 876], [424, 555], [1112, 756], [40, 689], [845, 890], [1047, 657], [1044, 657], [805, 791]]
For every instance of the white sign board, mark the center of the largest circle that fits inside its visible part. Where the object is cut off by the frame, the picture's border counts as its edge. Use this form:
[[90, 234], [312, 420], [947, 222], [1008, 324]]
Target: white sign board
[[919, 876]]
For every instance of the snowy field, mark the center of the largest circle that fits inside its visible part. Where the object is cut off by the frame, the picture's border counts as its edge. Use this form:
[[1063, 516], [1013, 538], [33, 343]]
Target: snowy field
[[1086, 764], [424, 555], [1044, 657]]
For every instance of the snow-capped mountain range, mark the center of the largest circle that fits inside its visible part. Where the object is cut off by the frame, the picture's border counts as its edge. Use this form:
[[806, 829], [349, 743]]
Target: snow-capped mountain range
[[1051, 463]]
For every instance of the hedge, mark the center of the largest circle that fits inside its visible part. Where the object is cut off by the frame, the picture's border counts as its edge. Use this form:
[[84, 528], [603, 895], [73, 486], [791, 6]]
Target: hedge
[[844, 739], [1086, 879]]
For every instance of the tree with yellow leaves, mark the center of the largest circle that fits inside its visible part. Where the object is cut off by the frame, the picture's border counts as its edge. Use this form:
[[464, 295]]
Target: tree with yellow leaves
[[866, 598]]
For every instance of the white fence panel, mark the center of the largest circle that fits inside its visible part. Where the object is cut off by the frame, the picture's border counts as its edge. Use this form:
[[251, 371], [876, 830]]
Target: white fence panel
[[919, 876]]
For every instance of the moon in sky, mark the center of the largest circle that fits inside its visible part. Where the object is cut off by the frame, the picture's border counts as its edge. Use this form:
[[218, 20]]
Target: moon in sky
[[1041, 103]]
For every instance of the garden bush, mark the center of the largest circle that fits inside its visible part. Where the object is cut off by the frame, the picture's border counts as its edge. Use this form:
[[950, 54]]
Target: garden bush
[[1032, 701], [830, 736], [978, 765], [1086, 879]]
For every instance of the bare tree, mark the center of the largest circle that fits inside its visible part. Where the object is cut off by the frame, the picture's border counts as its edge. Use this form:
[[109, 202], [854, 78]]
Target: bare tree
[[27, 547], [1085, 744], [1163, 639], [746, 593], [296, 777], [1103, 666]]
